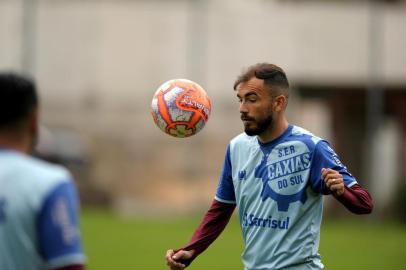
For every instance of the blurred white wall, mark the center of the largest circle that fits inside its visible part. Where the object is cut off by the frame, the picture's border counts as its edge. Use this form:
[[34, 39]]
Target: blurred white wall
[[132, 46]]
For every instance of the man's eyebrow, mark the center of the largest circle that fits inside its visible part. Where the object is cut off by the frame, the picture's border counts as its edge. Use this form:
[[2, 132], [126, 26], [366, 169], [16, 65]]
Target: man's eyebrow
[[252, 93]]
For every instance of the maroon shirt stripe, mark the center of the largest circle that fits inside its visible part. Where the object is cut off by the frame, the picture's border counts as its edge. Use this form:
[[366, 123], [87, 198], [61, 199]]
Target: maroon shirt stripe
[[214, 222], [357, 200]]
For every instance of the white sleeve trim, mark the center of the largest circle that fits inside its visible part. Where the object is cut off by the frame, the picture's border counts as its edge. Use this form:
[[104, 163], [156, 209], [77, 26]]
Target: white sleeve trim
[[353, 183], [224, 201]]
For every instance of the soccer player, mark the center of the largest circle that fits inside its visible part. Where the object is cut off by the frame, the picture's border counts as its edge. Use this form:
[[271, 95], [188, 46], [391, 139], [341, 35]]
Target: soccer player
[[275, 173], [38, 201]]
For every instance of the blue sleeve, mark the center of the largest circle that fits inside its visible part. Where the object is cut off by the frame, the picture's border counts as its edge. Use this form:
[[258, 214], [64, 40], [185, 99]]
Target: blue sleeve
[[58, 228], [225, 190], [325, 157]]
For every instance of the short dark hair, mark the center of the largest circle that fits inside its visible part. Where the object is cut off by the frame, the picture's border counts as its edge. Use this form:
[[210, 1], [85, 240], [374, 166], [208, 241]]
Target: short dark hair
[[273, 76], [18, 98]]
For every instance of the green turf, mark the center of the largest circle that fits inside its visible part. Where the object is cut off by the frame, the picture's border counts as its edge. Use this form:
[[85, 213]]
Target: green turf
[[122, 244]]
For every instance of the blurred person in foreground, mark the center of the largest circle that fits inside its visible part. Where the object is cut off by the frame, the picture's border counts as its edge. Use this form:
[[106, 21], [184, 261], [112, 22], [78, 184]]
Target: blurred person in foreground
[[38, 201], [275, 173]]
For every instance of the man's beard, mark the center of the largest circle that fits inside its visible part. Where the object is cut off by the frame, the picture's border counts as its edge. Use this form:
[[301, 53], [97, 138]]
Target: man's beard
[[261, 126]]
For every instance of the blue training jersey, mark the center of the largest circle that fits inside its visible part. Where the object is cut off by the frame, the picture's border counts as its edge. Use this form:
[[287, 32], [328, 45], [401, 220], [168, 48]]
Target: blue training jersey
[[38, 215], [278, 189]]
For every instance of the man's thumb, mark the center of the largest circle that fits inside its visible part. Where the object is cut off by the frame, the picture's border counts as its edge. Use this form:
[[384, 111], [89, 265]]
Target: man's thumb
[[182, 254]]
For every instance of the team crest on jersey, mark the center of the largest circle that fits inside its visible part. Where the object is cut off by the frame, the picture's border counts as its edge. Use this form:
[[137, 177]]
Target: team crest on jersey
[[284, 172]]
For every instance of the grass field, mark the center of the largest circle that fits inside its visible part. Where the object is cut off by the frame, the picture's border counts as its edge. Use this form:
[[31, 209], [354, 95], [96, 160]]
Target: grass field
[[114, 243]]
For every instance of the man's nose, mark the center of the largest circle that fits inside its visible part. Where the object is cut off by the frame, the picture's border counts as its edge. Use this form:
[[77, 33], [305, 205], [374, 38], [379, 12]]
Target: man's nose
[[243, 107]]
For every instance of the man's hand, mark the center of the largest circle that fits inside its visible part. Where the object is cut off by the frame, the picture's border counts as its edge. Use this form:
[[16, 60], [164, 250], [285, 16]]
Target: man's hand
[[173, 260], [334, 181]]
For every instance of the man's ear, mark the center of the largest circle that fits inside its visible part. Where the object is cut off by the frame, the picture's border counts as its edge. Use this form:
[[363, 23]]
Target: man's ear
[[33, 126], [280, 102], [33, 121]]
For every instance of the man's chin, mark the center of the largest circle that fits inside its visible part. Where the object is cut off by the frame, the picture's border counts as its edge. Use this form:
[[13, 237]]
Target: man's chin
[[253, 130], [250, 131]]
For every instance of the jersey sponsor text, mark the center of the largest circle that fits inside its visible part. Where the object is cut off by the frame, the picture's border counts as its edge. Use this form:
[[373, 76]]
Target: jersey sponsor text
[[250, 220]]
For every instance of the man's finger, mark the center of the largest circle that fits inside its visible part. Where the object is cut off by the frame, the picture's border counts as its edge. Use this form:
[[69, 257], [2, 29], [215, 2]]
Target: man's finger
[[169, 255], [332, 174], [169, 252], [334, 181], [337, 182], [326, 172], [173, 265], [182, 254], [330, 182], [337, 189], [177, 266], [173, 258]]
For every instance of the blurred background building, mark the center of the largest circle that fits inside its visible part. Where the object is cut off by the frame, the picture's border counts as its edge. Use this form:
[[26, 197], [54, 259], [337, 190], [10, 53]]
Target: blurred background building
[[98, 62]]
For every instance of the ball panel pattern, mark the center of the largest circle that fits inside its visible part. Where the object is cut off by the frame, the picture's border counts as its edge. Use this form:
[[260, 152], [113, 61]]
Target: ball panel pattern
[[180, 108]]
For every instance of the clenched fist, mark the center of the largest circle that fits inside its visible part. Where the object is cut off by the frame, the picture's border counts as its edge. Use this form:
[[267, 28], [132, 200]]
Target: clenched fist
[[334, 181]]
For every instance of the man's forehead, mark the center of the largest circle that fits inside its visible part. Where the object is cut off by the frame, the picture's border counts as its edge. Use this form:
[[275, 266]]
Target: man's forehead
[[254, 85]]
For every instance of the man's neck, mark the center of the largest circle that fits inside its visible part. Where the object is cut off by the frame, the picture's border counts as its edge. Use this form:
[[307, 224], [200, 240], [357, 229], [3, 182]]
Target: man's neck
[[14, 143], [274, 132]]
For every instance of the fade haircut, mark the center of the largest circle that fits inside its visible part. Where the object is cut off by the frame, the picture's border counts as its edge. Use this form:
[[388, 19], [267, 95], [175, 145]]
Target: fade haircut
[[18, 99], [274, 78]]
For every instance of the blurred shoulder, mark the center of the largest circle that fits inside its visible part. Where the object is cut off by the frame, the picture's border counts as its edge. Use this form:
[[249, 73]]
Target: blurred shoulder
[[48, 170], [33, 169], [29, 179]]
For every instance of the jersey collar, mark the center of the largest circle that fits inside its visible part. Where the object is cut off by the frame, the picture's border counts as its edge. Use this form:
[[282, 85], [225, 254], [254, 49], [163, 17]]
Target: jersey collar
[[286, 133]]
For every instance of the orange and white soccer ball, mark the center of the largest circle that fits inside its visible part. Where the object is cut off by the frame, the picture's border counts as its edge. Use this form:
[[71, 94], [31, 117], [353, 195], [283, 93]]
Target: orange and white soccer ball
[[180, 108]]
